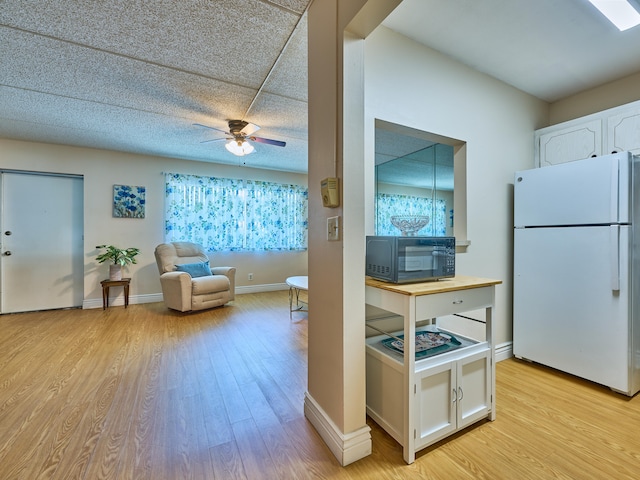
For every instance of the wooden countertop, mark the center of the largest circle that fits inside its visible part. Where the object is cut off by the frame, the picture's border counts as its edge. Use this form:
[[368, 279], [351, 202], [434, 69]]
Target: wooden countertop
[[459, 282]]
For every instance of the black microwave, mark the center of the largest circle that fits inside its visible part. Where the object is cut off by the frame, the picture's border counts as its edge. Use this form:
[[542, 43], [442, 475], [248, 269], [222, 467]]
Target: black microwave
[[410, 259]]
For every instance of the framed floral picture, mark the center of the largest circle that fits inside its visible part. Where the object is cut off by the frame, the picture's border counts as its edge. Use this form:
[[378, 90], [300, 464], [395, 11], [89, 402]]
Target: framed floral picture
[[128, 201]]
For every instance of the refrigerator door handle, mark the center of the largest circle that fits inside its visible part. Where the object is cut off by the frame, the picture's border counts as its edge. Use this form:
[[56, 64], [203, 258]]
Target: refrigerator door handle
[[614, 243]]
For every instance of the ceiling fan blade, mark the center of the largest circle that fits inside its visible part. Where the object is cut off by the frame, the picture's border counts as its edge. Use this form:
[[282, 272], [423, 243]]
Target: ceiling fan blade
[[268, 141], [212, 128], [215, 140], [250, 128]]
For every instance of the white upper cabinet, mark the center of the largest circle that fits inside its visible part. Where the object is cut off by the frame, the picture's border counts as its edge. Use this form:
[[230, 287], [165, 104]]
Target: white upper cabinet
[[575, 142], [609, 131], [623, 132]]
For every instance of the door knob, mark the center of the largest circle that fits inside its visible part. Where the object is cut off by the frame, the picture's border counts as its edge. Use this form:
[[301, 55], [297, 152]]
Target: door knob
[[8, 232], [8, 253]]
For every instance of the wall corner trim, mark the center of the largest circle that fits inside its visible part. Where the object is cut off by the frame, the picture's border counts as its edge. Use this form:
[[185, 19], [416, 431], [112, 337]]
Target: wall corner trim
[[347, 448]]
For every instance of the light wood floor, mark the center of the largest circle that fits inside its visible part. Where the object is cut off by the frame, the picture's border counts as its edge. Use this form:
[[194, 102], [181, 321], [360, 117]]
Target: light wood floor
[[146, 393]]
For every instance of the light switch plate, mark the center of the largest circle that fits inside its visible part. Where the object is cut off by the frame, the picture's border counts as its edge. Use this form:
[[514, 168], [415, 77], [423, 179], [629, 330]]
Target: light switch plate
[[333, 229]]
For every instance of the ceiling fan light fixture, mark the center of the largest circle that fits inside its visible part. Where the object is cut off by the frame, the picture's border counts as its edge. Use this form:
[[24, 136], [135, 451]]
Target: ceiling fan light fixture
[[619, 12], [239, 147]]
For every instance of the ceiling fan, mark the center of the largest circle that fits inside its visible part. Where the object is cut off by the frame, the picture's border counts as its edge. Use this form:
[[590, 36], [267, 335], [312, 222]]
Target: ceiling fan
[[238, 136]]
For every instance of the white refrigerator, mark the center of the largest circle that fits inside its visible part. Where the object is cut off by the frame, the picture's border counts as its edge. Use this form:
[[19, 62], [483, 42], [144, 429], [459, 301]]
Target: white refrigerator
[[576, 298]]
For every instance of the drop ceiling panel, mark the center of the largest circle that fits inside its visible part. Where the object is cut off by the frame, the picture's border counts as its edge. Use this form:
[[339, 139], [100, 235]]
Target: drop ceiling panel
[[297, 6], [122, 129], [290, 77], [135, 76], [223, 39], [116, 122], [390, 145], [280, 116], [110, 79]]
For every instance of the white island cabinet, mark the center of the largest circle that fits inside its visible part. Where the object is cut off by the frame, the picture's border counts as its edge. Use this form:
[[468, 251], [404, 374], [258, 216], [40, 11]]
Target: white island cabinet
[[421, 401]]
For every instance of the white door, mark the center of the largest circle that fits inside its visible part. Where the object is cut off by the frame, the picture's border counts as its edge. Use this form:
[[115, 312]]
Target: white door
[[474, 388], [435, 403], [41, 259], [570, 300], [584, 192]]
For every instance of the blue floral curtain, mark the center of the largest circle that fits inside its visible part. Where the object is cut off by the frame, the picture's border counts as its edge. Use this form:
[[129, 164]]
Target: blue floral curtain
[[224, 214], [388, 205]]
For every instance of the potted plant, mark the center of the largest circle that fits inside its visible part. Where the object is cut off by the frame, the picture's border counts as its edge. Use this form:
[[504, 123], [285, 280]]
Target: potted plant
[[121, 257]]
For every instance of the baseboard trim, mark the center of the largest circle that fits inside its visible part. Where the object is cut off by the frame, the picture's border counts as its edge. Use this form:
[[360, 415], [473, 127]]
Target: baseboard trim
[[347, 448], [157, 297], [119, 300], [268, 287], [504, 351]]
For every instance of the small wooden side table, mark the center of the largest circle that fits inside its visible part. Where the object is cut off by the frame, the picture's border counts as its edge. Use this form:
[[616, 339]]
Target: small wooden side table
[[106, 284]]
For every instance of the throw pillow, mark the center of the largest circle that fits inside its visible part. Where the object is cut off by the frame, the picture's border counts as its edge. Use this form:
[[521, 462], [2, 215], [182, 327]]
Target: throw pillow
[[195, 269]]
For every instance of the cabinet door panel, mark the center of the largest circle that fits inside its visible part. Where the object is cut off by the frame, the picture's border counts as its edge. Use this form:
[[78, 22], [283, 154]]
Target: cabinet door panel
[[571, 143], [623, 132], [435, 403], [474, 388]]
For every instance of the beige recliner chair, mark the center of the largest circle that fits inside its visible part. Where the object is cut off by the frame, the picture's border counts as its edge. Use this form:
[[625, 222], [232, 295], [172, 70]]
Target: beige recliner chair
[[188, 282]]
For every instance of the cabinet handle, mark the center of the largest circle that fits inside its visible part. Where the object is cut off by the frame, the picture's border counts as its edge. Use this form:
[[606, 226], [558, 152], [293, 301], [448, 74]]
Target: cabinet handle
[[457, 302], [461, 393], [454, 396]]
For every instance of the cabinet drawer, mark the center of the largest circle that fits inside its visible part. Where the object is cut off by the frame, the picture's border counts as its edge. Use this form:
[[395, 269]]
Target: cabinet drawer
[[448, 303]]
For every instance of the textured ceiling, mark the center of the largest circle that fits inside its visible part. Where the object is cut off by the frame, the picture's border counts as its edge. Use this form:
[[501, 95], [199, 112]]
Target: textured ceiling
[[404, 157], [134, 76]]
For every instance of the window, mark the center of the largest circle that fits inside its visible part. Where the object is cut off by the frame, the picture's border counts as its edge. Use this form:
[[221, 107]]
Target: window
[[412, 166], [224, 214], [389, 205]]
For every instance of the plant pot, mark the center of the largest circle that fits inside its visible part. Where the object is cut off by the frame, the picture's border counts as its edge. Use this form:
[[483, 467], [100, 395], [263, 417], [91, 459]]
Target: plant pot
[[115, 272]]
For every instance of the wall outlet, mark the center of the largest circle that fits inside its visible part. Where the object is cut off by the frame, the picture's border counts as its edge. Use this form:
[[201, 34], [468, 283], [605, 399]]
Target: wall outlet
[[251, 276], [333, 229]]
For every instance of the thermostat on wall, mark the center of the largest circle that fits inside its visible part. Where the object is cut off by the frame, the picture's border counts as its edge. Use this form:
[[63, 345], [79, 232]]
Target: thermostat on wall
[[330, 192]]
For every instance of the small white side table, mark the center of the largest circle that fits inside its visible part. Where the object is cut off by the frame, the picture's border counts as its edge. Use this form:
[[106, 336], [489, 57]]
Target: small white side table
[[295, 285]]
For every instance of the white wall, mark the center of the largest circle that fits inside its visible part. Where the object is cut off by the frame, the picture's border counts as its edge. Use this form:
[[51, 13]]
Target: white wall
[[609, 95], [102, 169], [412, 85], [335, 400]]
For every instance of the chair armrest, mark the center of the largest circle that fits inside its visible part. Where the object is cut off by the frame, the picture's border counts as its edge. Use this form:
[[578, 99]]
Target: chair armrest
[[230, 273], [176, 290]]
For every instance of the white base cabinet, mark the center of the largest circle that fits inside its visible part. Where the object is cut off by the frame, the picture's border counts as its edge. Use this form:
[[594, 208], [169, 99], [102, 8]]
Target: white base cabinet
[[451, 391], [421, 401], [451, 396]]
